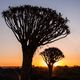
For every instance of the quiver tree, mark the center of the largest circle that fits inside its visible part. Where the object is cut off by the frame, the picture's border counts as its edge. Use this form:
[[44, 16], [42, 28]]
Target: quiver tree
[[50, 56], [34, 26]]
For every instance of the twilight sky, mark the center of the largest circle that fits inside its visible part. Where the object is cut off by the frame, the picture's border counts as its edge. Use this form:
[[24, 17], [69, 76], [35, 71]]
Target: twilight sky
[[10, 48]]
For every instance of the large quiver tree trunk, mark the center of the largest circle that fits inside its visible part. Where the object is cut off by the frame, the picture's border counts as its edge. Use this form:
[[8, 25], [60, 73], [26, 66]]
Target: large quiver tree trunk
[[28, 52]]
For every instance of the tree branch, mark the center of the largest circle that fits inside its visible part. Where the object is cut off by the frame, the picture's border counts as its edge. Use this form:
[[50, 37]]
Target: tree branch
[[53, 40]]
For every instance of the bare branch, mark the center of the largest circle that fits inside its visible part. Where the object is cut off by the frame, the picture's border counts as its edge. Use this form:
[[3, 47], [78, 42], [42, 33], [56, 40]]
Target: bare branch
[[48, 42]]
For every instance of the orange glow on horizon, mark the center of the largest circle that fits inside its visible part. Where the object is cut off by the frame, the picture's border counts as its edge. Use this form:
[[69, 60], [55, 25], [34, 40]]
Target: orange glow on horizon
[[38, 61], [59, 63], [9, 60]]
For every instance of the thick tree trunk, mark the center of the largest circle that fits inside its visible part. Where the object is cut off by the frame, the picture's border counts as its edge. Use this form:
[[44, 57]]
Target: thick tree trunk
[[27, 62], [50, 70]]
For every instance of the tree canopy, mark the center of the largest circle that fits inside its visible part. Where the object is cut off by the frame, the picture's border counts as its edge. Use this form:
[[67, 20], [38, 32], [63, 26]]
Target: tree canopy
[[52, 55], [36, 25]]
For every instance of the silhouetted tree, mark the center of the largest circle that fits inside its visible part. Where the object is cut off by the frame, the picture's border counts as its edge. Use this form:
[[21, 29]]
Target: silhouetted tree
[[50, 56], [34, 26]]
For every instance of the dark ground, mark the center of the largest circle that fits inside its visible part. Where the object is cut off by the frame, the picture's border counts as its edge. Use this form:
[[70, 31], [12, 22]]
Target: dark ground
[[39, 73]]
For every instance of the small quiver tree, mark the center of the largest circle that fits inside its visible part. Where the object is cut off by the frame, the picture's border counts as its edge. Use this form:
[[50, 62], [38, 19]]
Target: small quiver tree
[[50, 56]]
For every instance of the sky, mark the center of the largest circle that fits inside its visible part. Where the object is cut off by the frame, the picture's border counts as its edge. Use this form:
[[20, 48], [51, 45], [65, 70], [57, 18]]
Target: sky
[[10, 48]]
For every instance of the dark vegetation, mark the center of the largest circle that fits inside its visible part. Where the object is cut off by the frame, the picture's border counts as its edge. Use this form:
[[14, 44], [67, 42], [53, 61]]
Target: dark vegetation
[[40, 73], [9, 73]]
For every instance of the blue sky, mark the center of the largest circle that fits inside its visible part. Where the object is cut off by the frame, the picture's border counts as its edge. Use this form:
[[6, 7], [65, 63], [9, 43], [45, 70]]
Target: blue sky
[[10, 48]]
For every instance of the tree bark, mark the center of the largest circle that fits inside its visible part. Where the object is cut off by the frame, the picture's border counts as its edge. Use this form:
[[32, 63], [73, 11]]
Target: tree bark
[[27, 62], [50, 70]]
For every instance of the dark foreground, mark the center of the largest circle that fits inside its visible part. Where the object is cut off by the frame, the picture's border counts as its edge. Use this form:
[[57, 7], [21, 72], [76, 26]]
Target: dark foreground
[[39, 73]]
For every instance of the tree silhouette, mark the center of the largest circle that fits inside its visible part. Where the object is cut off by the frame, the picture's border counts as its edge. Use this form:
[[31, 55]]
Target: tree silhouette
[[50, 56], [34, 26]]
